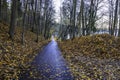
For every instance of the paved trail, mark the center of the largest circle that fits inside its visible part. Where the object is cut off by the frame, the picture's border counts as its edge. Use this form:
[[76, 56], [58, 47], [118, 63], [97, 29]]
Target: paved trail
[[51, 65]]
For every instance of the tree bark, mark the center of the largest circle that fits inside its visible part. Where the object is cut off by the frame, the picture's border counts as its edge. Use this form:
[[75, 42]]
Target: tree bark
[[82, 18], [24, 19], [5, 10], [13, 19], [119, 20], [115, 18], [74, 19], [0, 10]]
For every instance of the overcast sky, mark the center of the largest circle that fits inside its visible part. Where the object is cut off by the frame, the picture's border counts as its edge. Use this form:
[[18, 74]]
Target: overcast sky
[[57, 8]]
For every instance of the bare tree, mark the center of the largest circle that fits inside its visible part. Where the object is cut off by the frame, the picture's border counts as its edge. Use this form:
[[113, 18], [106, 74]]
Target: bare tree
[[4, 10], [13, 19], [24, 20], [119, 20], [74, 18], [111, 9], [81, 19], [0, 10], [115, 18]]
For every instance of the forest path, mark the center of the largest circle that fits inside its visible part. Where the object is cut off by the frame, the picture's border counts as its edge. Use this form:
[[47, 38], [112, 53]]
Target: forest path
[[51, 64]]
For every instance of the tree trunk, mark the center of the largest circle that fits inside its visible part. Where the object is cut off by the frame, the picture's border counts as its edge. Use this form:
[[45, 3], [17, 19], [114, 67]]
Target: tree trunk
[[36, 21], [40, 29], [115, 18], [5, 10], [74, 18], [13, 19], [119, 20], [82, 18], [70, 30], [24, 19], [45, 16], [32, 22], [91, 20], [110, 16], [0, 10]]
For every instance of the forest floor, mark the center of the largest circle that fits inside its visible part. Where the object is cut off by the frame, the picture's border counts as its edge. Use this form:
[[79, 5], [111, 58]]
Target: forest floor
[[15, 57], [95, 57]]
